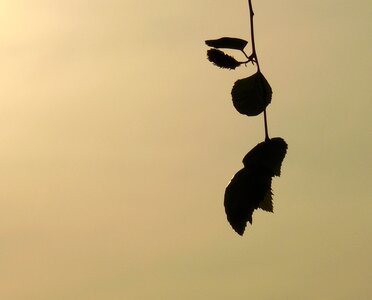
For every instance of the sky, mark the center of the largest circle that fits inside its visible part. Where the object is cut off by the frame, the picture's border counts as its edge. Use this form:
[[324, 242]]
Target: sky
[[118, 139]]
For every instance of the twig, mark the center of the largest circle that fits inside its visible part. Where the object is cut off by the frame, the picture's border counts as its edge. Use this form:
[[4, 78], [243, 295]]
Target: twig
[[254, 55]]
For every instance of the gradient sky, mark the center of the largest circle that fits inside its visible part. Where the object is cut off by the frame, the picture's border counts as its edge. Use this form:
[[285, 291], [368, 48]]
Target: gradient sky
[[118, 139]]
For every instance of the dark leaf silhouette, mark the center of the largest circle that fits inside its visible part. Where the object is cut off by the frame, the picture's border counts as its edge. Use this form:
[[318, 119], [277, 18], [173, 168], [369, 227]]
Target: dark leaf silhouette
[[228, 43], [247, 189], [251, 95], [222, 60], [268, 155], [250, 188], [267, 203]]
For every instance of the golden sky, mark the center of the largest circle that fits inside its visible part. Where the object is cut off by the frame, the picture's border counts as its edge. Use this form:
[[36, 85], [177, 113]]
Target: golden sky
[[118, 139]]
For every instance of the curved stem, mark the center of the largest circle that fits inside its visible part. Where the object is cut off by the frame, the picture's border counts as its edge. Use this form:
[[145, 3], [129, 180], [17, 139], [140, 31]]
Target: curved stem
[[251, 14], [254, 55]]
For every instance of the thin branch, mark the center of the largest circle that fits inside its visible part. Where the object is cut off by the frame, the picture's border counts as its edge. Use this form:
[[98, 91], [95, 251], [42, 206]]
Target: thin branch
[[254, 55]]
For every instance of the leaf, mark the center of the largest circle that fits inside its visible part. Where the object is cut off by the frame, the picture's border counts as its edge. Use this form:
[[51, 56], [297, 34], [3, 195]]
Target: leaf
[[250, 188], [251, 95], [222, 60], [227, 42], [267, 203], [268, 154], [246, 190]]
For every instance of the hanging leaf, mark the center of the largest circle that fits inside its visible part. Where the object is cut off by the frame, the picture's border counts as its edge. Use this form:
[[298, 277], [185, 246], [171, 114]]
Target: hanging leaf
[[222, 60], [267, 203], [251, 95], [268, 154], [227, 42], [247, 189], [250, 188]]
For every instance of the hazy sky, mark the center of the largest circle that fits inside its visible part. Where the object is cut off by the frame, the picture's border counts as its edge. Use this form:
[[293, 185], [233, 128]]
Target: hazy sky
[[118, 139]]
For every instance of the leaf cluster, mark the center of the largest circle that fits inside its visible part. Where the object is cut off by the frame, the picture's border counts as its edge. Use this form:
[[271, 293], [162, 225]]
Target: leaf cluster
[[250, 95], [223, 60], [250, 188]]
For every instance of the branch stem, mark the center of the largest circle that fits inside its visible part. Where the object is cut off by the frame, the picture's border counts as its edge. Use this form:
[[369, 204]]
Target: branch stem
[[254, 55]]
